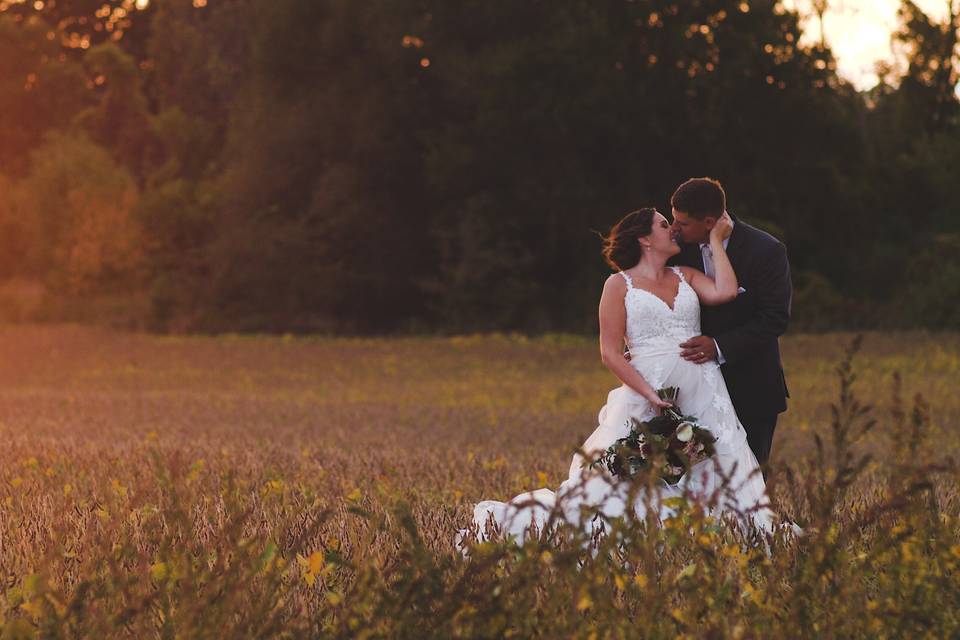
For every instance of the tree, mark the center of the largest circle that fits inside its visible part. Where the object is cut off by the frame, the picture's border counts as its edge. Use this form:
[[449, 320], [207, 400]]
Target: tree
[[120, 119], [557, 118], [929, 88], [75, 207], [320, 207], [79, 25], [911, 178], [39, 89]]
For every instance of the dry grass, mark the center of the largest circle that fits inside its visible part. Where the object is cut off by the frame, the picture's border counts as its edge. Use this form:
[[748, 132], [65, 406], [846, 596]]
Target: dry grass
[[165, 486]]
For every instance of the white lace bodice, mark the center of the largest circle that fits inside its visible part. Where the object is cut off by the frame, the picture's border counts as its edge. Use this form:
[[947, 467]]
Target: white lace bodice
[[651, 324], [654, 334]]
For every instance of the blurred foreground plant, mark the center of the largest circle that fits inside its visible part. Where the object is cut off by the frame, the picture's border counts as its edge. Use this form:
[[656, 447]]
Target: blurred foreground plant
[[190, 552]]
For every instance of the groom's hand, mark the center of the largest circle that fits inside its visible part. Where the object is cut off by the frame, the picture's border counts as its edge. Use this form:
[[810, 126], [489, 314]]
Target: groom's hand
[[699, 350]]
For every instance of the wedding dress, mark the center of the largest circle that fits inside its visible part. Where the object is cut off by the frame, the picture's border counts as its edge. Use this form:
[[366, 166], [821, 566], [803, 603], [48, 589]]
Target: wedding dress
[[654, 332]]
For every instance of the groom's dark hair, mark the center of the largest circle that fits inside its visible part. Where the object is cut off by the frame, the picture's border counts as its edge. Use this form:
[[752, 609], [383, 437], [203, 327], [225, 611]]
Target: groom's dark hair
[[699, 198]]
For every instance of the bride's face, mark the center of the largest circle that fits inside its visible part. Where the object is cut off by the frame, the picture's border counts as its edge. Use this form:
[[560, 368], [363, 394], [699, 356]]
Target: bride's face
[[661, 238]]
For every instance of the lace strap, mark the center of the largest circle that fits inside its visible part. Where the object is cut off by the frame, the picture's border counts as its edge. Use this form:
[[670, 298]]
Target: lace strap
[[627, 278], [679, 273]]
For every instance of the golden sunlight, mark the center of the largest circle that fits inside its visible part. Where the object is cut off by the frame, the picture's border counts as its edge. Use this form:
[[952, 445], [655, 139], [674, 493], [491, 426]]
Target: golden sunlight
[[859, 33]]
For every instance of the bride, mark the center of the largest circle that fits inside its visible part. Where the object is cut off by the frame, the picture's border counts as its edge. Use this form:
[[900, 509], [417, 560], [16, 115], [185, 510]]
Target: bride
[[653, 308]]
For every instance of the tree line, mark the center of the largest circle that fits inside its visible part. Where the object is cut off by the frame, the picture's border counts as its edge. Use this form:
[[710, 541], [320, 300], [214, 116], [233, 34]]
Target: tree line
[[437, 165]]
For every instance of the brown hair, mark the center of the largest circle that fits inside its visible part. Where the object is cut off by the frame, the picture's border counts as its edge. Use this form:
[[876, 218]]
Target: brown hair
[[620, 247], [699, 198]]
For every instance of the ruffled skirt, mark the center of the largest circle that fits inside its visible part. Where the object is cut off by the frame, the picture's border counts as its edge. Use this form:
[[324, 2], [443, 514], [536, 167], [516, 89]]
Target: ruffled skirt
[[590, 495]]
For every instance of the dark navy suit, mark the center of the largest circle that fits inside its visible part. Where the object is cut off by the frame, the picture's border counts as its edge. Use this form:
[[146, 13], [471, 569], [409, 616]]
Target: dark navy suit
[[747, 329]]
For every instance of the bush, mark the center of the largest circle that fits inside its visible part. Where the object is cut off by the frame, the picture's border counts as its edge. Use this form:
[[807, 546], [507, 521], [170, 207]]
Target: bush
[[75, 208]]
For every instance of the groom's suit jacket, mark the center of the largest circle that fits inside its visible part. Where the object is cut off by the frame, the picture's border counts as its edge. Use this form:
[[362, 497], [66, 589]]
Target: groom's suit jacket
[[747, 329]]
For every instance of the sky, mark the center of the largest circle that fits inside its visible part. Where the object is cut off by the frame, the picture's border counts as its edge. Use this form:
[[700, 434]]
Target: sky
[[859, 31]]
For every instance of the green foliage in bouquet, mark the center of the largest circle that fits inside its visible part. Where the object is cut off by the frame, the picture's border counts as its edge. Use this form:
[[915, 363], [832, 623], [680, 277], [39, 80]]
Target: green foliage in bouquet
[[671, 443]]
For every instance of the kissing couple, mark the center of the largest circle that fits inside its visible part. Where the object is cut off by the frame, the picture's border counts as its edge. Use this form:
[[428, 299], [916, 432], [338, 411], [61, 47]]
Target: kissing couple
[[700, 304]]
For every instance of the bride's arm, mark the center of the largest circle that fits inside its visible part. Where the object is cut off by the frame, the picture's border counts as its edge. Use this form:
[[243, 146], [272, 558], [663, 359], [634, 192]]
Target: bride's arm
[[613, 328], [722, 288]]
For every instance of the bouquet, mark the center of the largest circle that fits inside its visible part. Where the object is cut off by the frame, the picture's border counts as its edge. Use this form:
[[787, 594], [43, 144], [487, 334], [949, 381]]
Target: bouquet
[[671, 441]]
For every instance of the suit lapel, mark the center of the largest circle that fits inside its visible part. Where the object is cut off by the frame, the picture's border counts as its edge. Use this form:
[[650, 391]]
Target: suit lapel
[[735, 247], [736, 237]]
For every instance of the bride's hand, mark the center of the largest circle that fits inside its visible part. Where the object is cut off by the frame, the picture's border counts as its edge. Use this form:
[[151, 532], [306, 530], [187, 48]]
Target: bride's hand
[[657, 401], [722, 229]]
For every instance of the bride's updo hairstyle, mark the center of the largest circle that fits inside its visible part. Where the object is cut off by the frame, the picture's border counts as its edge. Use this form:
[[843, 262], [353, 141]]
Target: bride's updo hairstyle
[[620, 247]]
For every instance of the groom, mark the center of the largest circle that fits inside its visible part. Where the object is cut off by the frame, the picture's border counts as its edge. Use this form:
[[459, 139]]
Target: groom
[[741, 335]]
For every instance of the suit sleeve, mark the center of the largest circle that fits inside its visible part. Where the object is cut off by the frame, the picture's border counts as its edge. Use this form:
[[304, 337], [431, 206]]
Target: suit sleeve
[[774, 293]]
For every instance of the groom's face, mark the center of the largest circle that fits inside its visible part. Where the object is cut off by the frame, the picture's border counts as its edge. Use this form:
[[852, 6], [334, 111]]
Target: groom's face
[[689, 230]]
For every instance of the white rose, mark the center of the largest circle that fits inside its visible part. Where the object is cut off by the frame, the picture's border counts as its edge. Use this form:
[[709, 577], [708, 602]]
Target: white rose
[[684, 432]]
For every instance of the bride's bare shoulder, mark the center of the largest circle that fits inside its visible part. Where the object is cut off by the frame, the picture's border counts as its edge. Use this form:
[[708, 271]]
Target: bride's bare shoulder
[[615, 283]]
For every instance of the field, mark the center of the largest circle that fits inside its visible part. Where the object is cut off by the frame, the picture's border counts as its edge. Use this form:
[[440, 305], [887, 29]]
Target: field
[[281, 486]]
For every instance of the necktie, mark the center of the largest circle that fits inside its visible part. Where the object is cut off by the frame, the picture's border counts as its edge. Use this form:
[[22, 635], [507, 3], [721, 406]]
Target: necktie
[[708, 261]]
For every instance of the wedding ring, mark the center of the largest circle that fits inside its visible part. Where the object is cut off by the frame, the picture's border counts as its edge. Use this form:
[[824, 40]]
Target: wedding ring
[[702, 354]]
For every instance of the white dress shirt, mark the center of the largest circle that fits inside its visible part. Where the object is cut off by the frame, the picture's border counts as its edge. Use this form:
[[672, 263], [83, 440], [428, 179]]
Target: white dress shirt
[[710, 269]]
